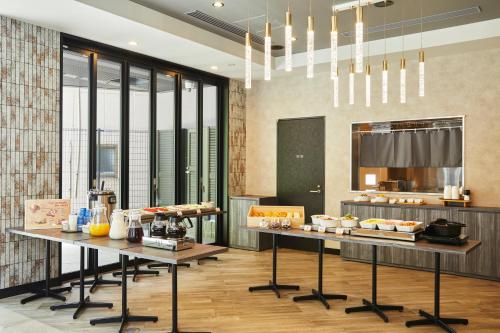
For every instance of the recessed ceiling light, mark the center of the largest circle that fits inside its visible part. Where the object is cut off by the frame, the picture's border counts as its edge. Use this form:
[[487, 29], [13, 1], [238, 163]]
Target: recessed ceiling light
[[218, 3], [214, 68], [132, 43], [294, 38], [277, 47], [383, 4]]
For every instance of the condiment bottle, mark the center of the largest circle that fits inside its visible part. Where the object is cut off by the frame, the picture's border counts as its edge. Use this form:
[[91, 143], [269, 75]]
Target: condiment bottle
[[134, 231], [118, 227]]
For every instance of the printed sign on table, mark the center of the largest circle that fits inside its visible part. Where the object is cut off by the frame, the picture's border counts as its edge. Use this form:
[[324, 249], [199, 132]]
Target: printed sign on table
[[45, 213]]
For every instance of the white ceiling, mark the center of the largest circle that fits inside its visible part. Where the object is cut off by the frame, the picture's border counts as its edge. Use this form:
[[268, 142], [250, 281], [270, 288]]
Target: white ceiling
[[117, 22]]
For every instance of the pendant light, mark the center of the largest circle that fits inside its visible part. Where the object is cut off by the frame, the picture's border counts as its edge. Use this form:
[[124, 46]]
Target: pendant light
[[267, 46], [310, 43], [402, 69], [288, 40], [248, 53], [351, 83], [336, 90], [421, 60], [359, 38], [334, 37], [368, 73], [385, 76]]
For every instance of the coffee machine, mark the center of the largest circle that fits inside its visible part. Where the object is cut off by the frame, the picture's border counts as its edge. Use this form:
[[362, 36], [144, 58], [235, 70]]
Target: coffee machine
[[105, 197]]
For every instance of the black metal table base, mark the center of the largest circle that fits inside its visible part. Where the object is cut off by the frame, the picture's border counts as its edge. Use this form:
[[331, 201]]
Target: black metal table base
[[273, 285], [436, 318], [377, 308], [318, 295], [372, 305], [80, 306], [207, 258], [169, 266], [97, 280], [136, 272], [125, 316], [84, 302], [438, 321], [47, 292]]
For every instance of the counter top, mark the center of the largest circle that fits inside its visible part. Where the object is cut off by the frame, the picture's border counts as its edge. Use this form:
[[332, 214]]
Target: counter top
[[426, 206], [251, 196]]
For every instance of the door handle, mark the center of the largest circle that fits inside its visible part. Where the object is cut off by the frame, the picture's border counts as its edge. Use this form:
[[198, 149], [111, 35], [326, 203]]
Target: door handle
[[314, 191]]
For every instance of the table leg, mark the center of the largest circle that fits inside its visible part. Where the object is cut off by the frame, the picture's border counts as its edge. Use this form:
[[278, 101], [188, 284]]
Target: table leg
[[373, 305], [318, 295], [436, 319], [84, 302], [125, 317], [47, 292], [137, 271], [97, 280], [175, 321], [273, 285]]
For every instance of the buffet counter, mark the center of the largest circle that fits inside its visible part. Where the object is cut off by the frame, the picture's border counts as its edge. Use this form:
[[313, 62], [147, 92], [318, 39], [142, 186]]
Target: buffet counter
[[482, 223]]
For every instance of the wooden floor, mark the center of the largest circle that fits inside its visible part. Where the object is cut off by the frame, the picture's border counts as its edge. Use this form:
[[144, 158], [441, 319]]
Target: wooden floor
[[214, 297]]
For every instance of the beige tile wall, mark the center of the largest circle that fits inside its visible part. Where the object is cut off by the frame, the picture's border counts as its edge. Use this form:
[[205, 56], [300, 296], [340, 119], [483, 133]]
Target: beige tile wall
[[237, 137], [456, 84], [29, 142]]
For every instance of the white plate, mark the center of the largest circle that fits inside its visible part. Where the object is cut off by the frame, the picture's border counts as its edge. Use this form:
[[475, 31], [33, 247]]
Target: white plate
[[414, 228], [387, 227], [365, 225]]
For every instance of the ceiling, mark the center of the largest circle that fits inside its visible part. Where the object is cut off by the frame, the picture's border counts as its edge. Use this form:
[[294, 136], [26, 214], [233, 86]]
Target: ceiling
[[438, 14]]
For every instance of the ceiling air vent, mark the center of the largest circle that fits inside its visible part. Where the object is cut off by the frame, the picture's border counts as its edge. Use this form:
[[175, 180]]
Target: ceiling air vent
[[228, 27], [426, 19]]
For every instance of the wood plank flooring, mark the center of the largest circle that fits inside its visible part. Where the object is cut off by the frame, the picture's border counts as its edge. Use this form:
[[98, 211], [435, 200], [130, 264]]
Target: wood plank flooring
[[214, 297]]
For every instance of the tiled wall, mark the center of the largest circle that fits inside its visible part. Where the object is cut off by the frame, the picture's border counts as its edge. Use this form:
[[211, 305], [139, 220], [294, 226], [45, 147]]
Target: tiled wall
[[237, 137], [29, 142]]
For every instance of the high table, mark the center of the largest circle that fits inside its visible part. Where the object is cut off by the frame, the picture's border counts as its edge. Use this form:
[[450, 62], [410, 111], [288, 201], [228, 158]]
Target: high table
[[421, 245], [124, 249]]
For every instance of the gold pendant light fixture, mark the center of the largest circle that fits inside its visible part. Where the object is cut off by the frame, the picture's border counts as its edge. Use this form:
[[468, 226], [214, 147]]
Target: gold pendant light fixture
[[334, 52], [359, 28], [357, 44], [288, 40], [402, 68], [385, 74], [267, 46], [310, 43], [248, 52], [421, 60]]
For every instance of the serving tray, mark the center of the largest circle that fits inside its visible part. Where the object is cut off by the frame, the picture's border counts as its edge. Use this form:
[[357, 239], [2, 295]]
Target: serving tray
[[397, 235]]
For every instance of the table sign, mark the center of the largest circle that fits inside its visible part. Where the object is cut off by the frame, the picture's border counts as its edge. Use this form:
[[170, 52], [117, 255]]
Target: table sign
[[307, 227], [45, 213], [321, 229], [339, 231]]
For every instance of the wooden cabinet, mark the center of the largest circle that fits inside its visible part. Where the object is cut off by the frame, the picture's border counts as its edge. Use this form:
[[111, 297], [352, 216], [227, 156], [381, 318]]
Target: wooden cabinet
[[482, 224], [241, 238]]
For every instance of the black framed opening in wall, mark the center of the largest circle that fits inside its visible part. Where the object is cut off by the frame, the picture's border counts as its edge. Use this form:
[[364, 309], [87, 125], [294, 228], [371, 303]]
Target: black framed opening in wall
[[150, 130]]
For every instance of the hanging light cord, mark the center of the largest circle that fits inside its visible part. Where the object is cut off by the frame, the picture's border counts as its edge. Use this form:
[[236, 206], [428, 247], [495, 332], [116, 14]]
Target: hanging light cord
[[385, 40], [421, 25], [402, 29], [267, 10]]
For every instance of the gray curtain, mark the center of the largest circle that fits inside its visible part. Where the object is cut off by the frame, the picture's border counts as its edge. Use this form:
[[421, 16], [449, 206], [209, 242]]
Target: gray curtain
[[385, 149], [421, 149], [368, 151], [402, 150], [455, 150]]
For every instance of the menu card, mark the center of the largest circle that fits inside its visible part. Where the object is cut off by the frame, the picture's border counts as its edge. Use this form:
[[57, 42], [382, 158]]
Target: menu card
[[45, 213]]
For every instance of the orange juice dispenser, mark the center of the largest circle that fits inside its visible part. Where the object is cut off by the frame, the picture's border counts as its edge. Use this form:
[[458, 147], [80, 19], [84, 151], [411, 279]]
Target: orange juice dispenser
[[99, 225]]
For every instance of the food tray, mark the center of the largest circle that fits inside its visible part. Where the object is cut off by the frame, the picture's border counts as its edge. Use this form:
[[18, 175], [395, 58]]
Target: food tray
[[296, 213], [396, 235]]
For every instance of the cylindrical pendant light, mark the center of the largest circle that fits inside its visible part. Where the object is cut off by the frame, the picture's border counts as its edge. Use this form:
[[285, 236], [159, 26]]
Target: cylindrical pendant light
[[351, 84], [385, 76], [421, 60], [421, 73], [402, 81], [288, 40], [359, 39], [385, 81], [310, 47], [248, 61], [267, 52], [336, 90], [368, 86], [334, 36]]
